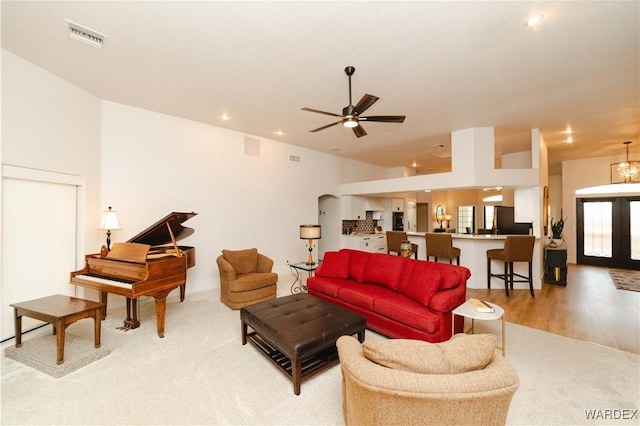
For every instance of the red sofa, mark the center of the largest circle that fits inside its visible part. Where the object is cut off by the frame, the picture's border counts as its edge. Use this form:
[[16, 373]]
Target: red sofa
[[400, 298]]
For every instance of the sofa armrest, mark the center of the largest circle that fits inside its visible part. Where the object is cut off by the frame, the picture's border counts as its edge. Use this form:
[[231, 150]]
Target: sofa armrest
[[264, 263], [449, 299], [226, 270]]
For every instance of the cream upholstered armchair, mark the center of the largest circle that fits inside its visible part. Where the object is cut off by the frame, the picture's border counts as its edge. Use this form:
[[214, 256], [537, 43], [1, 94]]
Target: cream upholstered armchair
[[411, 382], [245, 278]]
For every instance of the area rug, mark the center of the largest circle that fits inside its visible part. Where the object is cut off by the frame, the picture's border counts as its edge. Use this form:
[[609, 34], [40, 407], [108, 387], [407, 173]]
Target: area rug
[[40, 353], [625, 279]]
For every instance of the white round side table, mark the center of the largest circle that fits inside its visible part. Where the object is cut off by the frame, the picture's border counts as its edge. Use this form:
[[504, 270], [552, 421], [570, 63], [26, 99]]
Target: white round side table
[[467, 311]]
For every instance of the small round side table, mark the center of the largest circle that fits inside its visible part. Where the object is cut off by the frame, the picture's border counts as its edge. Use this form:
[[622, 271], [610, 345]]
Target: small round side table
[[467, 311]]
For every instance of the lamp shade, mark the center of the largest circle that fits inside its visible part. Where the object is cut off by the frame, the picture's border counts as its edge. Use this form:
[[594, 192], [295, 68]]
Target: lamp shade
[[310, 232], [109, 221]]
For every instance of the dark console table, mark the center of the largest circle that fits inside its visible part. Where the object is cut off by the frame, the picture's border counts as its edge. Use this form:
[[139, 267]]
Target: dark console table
[[555, 265]]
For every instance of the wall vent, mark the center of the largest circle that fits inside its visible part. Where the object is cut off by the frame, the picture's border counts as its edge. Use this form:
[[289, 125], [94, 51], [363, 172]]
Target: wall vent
[[86, 35], [251, 146], [294, 158]]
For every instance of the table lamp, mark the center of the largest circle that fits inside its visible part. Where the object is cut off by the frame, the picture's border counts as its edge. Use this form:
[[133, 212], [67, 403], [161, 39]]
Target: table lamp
[[310, 233], [108, 223]]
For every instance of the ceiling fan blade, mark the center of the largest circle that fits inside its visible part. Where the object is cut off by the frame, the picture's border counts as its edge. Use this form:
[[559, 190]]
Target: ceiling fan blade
[[324, 127], [321, 112], [359, 131], [384, 118], [365, 102]]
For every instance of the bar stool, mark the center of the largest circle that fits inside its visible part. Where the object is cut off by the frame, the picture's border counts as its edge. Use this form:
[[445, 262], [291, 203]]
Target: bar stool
[[395, 238], [517, 248], [441, 245]]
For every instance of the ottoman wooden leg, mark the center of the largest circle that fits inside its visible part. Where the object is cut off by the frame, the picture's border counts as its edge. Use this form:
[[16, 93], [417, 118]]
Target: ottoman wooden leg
[[296, 374]]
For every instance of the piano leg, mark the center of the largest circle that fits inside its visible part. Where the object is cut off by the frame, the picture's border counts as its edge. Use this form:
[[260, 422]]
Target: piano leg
[[103, 298], [161, 308], [182, 291]]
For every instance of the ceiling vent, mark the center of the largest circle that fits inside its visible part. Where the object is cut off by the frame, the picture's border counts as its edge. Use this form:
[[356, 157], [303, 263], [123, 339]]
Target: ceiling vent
[[86, 35]]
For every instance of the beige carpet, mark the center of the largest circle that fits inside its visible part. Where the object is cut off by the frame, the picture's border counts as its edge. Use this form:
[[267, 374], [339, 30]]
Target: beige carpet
[[625, 279], [41, 353], [201, 374]]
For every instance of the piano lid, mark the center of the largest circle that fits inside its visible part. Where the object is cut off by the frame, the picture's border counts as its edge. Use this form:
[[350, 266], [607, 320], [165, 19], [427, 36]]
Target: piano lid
[[158, 233]]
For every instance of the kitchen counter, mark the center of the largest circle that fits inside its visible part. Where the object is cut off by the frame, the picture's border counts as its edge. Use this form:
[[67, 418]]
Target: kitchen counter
[[473, 255]]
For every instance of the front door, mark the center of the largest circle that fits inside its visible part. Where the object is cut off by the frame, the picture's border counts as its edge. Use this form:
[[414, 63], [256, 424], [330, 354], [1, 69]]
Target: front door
[[608, 232]]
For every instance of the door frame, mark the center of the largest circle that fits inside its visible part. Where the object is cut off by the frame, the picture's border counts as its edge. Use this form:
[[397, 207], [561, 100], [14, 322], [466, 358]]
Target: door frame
[[620, 234]]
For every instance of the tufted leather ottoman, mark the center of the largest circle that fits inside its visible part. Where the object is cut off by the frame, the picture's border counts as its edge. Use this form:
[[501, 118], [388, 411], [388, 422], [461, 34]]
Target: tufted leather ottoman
[[298, 333]]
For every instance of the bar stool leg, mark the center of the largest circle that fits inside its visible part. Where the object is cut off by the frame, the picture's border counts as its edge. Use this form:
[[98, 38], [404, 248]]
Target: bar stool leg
[[506, 278], [489, 273], [531, 281]]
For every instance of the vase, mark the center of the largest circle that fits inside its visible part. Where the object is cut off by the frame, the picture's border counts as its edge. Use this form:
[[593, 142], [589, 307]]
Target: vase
[[406, 249]]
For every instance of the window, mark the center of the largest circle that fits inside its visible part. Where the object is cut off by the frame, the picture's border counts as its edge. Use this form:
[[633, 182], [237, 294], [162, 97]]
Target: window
[[488, 217], [598, 229], [466, 219]]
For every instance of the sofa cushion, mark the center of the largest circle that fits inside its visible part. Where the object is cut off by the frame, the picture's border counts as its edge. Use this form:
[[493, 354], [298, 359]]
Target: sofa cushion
[[402, 309], [357, 263], [384, 269], [363, 295], [252, 281], [461, 354], [243, 261], [335, 264], [424, 282], [328, 286]]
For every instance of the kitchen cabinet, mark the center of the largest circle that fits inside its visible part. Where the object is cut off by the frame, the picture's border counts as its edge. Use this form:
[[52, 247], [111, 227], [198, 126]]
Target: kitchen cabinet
[[353, 207], [372, 243], [397, 204], [375, 204]]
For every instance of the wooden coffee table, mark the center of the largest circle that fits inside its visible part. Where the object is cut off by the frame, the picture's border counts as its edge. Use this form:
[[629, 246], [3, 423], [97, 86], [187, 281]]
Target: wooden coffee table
[[59, 311]]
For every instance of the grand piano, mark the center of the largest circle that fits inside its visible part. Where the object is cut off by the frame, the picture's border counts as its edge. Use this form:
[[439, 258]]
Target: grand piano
[[143, 266]]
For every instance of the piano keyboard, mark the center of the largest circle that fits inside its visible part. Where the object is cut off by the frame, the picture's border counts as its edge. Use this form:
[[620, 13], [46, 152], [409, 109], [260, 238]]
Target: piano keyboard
[[115, 283]]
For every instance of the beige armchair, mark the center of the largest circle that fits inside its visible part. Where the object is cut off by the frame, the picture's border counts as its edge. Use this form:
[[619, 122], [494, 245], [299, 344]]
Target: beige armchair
[[245, 278], [411, 382]]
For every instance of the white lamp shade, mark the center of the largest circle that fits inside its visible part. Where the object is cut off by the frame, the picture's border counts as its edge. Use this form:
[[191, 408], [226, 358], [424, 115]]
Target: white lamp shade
[[109, 221], [310, 232]]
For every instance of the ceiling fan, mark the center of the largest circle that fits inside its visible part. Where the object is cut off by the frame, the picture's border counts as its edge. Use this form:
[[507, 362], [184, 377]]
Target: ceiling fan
[[351, 118]]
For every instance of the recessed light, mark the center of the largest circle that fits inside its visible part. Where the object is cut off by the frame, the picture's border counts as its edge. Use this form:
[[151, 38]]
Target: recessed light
[[534, 20], [279, 132], [225, 117], [569, 139], [414, 164], [569, 130]]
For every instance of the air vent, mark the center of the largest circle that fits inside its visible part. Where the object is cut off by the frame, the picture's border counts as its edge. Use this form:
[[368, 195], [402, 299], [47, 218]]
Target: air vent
[[86, 35], [294, 158], [334, 149], [251, 146]]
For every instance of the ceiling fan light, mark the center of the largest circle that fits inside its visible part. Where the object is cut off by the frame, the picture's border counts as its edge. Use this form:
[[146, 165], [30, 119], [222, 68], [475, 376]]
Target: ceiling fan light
[[350, 122]]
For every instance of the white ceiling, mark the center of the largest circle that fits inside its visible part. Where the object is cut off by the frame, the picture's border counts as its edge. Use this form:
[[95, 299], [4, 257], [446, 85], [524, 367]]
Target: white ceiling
[[445, 65]]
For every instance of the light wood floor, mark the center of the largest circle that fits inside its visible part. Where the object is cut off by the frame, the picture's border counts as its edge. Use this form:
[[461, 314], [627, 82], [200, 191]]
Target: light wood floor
[[589, 308]]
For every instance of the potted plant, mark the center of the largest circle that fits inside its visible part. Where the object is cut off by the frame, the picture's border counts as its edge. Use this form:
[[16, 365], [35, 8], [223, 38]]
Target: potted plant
[[556, 229]]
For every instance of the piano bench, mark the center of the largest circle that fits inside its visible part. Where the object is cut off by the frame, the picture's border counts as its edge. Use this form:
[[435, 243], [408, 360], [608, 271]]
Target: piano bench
[[59, 311]]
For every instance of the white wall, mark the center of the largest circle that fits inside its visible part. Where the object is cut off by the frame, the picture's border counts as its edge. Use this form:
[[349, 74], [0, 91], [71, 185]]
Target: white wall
[[578, 174], [154, 164], [51, 125], [146, 165]]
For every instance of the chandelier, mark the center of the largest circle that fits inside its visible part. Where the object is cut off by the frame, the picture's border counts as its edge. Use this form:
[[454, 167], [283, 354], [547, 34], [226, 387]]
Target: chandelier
[[627, 171]]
